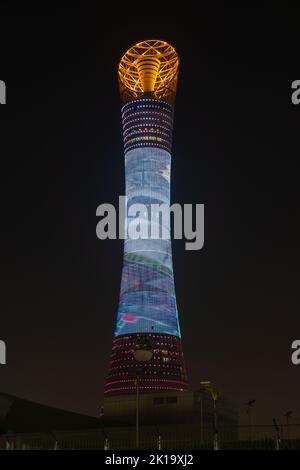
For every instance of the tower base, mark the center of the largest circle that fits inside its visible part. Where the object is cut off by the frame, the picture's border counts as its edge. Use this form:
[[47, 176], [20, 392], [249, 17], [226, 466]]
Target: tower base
[[164, 372]]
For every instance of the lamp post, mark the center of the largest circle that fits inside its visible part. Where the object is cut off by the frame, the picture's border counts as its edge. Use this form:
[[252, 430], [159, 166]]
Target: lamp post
[[142, 353], [249, 405], [288, 415], [201, 390], [106, 443], [215, 395], [137, 410], [277, 433]]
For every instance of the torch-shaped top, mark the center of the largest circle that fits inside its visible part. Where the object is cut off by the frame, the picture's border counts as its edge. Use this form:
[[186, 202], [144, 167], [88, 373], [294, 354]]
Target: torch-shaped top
[[149, 66]]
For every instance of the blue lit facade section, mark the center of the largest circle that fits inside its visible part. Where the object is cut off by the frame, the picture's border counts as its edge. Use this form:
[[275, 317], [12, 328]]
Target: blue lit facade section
[[147, 297]]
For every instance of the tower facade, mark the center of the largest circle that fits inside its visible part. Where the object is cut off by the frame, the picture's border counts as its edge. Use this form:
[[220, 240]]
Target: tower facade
[[147, 314]]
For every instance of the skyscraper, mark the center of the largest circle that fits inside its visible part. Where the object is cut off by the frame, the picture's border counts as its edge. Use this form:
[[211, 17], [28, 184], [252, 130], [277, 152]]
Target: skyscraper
[[147, 314]]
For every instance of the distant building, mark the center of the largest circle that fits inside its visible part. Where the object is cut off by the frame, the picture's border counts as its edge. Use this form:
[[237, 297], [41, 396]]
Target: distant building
[[24, 416]]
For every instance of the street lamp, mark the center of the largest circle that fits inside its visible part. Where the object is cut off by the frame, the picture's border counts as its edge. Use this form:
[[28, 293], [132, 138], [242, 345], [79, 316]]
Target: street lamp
[[249, 405], [201, 390], [288, 415], [159, 438], [143, 352], [215, 395], [277, 433]]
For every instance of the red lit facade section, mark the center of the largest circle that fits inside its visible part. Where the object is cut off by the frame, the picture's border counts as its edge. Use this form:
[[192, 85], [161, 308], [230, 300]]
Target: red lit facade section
[[164, 372]]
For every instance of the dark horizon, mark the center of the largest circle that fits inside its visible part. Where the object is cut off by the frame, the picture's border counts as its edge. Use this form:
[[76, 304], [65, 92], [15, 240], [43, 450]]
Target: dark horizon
[[235, 149]]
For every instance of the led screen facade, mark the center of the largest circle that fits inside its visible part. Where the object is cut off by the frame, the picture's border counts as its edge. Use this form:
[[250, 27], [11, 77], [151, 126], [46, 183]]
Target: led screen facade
[[147, 299]]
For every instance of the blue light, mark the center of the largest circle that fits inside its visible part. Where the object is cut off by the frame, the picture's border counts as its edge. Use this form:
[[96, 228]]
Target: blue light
[[147, 298]]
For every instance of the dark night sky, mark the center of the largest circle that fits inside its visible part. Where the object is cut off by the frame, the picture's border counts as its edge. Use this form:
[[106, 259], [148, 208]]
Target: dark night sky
[[236, 149]]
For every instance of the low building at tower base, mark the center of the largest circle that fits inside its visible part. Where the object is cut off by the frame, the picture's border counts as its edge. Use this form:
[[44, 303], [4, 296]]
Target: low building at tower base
[[186, 417]]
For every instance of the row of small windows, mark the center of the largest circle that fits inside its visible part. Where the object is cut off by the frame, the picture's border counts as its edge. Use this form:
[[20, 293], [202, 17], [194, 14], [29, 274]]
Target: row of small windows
[[122, 374], [134, 336], [150, 109], [146, 122], [151, 115], [149, 103], [129, 379], [159, 341], [145, 379], [149, 106], [156, 121], [156, 360], [130, 373], [152, 100], [116, 372], [148, 144], [173, 365], [129, 363], [162, 145], [126, 348], [159, 352], [131, 337], [164, 372], [152, 387], [145, 131], [146, 128], [135, 126], [144, 113], [145, 137]]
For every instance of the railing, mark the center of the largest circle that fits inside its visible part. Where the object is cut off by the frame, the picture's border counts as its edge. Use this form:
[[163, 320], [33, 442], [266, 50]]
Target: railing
[[258, 437]]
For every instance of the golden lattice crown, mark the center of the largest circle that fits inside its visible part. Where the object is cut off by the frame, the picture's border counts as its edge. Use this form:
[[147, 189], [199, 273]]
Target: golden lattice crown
[[149, 66]]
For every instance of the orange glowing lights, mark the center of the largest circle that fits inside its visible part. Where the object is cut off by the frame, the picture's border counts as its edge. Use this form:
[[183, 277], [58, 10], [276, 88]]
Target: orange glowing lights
[[149, 66]]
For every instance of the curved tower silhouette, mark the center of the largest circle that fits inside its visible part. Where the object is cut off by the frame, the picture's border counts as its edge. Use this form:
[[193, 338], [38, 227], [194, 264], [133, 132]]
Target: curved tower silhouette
[[147, 314]]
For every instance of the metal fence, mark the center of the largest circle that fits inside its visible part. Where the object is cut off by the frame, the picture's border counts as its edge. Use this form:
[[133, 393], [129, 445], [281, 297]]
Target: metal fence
[[258, 437]]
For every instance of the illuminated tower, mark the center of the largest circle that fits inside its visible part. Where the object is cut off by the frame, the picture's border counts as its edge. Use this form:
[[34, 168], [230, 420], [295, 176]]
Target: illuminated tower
[[147, 313]]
